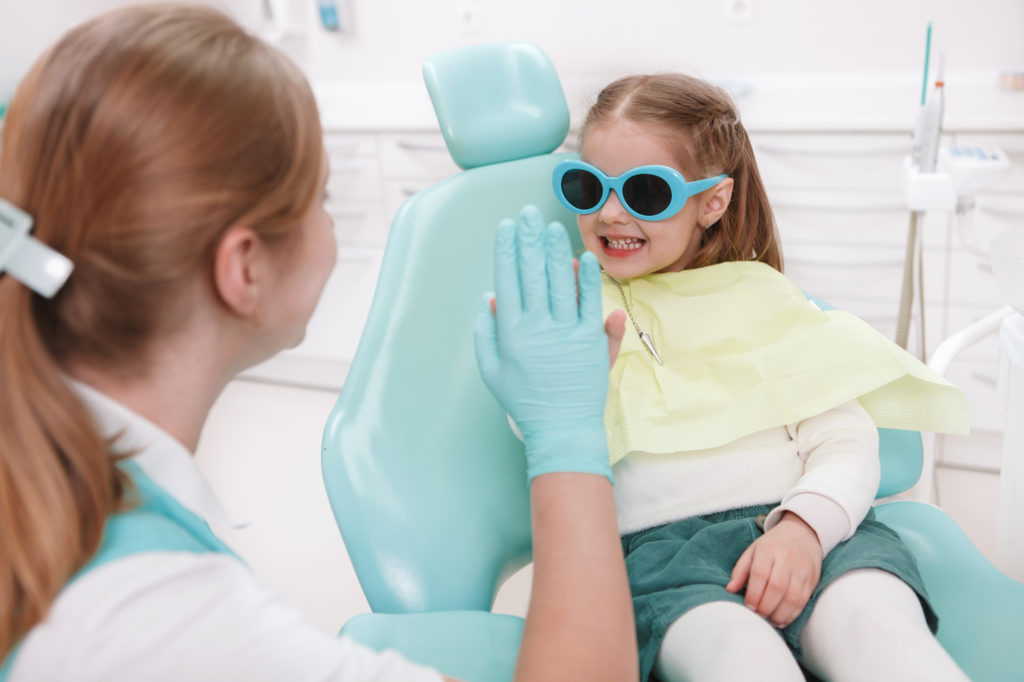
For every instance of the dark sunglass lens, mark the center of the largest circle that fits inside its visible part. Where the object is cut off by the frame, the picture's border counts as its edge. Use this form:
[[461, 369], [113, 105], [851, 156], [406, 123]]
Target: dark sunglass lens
[[647, 194], [581, 188]]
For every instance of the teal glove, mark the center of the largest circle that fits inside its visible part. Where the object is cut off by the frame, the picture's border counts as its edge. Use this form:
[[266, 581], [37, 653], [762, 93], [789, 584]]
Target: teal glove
[[544, 356]]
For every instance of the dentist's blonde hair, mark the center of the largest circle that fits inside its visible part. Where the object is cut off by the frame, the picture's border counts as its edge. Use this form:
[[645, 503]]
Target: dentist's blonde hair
[[682, 108], [135, 143]]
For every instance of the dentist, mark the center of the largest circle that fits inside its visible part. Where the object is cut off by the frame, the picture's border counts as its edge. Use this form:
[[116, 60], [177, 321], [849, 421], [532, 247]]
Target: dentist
[[177, 164]]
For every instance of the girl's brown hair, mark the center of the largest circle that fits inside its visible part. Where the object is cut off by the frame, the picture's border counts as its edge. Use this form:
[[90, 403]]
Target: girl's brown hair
[[134, 143], [683, 108]]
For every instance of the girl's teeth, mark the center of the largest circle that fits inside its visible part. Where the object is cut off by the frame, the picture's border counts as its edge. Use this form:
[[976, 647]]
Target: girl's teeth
[[630, 244]]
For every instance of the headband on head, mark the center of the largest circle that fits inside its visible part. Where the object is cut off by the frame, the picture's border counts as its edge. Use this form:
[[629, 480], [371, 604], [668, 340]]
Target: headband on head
[[27, 259]]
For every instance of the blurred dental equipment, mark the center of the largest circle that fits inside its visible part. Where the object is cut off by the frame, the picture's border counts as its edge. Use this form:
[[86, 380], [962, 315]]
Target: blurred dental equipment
[[937, 179], [946, 179]]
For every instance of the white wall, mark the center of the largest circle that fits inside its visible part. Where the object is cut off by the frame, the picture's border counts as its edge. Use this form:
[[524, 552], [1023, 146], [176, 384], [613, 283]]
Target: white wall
[[588, 37], [596, 39]]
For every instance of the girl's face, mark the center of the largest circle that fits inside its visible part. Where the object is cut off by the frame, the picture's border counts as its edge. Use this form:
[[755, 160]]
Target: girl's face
[[624, 245]]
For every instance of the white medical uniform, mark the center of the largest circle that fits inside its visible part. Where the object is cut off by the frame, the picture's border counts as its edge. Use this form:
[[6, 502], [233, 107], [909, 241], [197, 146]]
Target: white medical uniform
[[172, 616]]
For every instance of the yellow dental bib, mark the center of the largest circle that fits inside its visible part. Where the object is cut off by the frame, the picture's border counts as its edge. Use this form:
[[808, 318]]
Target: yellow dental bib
[[744, 350]]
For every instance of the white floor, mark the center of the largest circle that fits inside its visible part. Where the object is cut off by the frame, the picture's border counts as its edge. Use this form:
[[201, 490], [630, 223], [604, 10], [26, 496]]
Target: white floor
[[261, 451]]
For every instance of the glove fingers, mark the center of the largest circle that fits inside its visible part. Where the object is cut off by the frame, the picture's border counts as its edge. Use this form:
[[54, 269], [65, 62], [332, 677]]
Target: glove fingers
[[533, 280], [561, 278], [590, 290], [506, 273], [485, 337]]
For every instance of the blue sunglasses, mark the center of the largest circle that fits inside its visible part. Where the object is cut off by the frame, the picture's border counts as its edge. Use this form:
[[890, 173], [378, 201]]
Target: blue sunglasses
[[648, 192]]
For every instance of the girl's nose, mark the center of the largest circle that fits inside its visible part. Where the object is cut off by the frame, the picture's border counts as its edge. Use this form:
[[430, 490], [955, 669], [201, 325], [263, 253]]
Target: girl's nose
[[613, 211]]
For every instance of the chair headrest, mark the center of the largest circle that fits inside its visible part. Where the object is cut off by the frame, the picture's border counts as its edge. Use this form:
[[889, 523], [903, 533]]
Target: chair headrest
[[497, 102]]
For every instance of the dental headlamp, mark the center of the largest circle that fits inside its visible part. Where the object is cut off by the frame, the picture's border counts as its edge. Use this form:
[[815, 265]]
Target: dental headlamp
[[27, 259]]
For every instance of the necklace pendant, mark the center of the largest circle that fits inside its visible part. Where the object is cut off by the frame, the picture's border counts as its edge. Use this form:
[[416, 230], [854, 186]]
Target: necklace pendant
[[646, 339]]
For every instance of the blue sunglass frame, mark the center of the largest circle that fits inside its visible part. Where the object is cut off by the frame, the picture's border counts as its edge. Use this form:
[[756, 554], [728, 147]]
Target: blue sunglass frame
[[680, 188]]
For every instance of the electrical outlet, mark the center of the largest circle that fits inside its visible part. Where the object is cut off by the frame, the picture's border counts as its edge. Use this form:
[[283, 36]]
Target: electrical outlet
[[738, 11], [470, 20]]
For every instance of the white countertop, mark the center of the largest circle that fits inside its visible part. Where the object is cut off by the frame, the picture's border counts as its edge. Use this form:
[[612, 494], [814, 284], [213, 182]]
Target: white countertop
[[768, 103]]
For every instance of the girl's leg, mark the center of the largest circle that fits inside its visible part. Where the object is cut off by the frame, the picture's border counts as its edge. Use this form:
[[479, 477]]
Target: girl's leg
[[868, 625], [724, 641]]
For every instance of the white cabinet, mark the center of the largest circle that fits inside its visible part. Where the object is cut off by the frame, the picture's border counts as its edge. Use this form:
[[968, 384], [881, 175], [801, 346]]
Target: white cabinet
[[371, 175], [842, 219], [839, 206]]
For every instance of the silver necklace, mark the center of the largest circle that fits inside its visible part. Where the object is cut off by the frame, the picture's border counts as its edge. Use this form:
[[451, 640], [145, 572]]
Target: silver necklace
[[645, 338]]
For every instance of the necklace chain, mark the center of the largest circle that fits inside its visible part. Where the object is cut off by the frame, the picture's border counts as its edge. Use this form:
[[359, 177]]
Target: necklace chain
[[645, 338]]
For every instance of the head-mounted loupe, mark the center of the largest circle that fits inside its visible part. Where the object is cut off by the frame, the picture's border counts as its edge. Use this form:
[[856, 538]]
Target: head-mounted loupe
[[27, 259]]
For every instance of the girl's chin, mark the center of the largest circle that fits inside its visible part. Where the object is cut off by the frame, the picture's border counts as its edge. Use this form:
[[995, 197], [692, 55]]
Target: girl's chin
[[620, 270]]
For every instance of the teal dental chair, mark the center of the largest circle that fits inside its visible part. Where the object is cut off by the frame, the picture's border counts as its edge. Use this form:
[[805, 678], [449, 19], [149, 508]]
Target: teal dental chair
[[426, 480]]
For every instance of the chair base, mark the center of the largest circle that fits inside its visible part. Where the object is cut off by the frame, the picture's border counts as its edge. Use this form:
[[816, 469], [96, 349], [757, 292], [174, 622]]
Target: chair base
[[476, 646]]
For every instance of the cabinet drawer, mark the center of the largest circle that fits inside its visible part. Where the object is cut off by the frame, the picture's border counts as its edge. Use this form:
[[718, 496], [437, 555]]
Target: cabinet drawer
[[971, 282], [342, 146], [993, 214], [868, 161], [882, 315], [354, 179], [868, 218], [976, 378], [334, 330], [861, 272], [416, 155], [359, 224], [961, 317]]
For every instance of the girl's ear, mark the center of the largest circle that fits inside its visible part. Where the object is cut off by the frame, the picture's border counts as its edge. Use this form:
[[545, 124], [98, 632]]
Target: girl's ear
[[716, 203], [238, 271]]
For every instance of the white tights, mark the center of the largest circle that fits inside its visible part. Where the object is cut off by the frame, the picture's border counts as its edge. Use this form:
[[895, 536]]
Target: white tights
[[866, 626]]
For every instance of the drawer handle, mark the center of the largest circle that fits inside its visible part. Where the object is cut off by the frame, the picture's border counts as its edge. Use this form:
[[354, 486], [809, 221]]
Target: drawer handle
[[412, 146], [358, 255], [346, 166], [339, 212], [891, 148], [843, 262], [985, 376], [1000, 208], [865, 207], [348, 148]]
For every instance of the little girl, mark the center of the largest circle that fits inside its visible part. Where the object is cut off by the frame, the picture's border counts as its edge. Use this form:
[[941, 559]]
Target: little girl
[[740, 417]]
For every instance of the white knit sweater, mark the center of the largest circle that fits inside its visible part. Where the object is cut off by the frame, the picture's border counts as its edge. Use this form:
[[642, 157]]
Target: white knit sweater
[[824, 469]]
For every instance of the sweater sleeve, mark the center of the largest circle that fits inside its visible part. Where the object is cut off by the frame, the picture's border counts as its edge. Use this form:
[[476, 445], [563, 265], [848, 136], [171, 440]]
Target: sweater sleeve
[[841, 473]]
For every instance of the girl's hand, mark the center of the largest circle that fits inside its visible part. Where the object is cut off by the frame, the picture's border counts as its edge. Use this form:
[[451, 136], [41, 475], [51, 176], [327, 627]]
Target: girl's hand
[[781, 570]]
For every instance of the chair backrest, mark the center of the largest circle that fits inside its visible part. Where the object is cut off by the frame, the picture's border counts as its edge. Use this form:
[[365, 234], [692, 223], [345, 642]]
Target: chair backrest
[[426, 480]]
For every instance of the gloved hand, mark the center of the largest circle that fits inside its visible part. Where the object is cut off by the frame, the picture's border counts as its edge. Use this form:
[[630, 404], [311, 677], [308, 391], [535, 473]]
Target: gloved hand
[[544, 355]]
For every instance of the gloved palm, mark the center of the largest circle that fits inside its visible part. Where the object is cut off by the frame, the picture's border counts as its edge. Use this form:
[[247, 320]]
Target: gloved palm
[[544, 355]]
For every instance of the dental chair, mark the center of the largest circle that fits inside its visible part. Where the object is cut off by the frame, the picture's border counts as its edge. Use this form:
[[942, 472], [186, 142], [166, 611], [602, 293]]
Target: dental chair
[[425, 478]]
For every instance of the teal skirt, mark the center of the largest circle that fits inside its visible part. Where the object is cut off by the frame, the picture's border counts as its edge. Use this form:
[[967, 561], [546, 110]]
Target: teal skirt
[[678, 566]]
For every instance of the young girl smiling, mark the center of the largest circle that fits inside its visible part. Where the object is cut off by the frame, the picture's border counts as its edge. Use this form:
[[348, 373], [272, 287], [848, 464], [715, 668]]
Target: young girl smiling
[[742, 420]]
